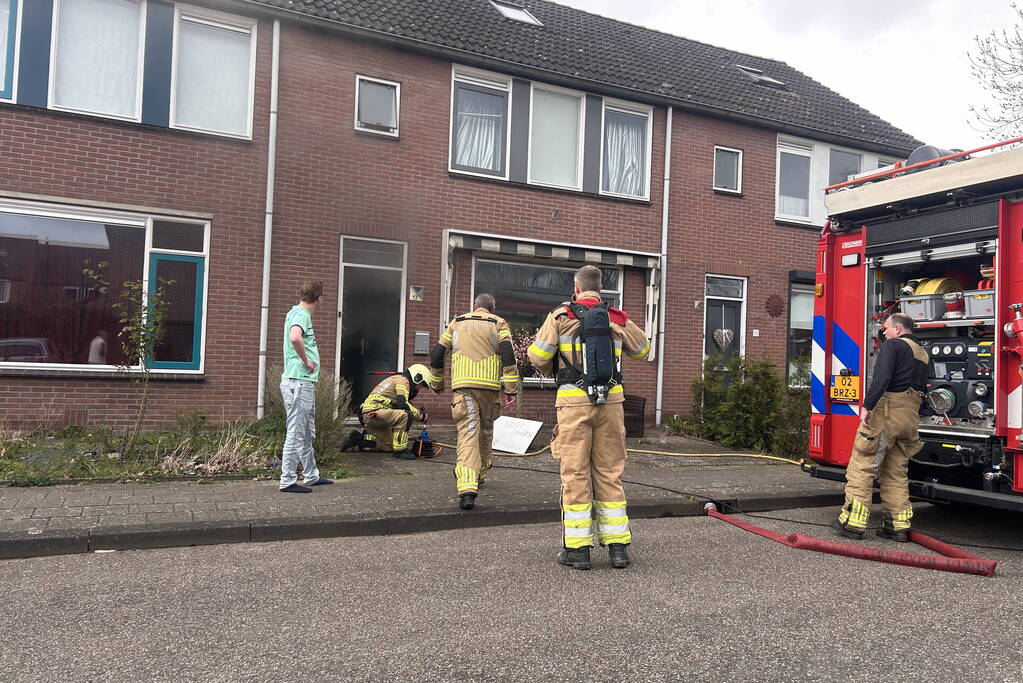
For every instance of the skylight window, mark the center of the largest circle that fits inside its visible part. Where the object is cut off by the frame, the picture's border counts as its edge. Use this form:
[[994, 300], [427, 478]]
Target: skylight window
[[516, 12], [760, 77]]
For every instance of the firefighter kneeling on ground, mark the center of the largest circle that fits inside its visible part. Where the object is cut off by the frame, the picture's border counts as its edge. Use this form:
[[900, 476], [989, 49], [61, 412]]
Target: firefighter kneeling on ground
[[887, 435], [387, 413], [482, 364], [589, 440]]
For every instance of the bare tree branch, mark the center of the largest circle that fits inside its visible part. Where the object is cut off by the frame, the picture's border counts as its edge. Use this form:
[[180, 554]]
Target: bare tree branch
[[997, 63]]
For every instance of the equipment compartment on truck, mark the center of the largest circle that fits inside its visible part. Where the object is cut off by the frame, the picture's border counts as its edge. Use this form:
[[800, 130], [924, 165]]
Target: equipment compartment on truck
[[939, 246]]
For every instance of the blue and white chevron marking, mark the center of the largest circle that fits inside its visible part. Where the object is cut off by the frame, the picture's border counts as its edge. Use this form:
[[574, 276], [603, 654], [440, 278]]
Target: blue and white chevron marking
[[845, 354]]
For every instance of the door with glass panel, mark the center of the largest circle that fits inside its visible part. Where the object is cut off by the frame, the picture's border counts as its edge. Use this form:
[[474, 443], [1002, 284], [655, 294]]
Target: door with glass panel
[[724, 305], [371, 312]]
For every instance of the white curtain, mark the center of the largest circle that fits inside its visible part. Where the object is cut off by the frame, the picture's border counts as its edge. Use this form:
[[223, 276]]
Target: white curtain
[[97, 56], [212, 79], [478, 130], [554, 133], [794, 185], [624, 153], [5, 40]]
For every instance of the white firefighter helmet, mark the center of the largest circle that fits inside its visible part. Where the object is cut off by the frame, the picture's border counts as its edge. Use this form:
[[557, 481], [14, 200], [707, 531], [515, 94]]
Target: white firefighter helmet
[[422, 375]]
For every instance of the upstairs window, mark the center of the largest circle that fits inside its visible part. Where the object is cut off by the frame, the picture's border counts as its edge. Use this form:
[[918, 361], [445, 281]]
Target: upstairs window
[[728, 169], [842, 165], [517, 12], [376, 106], [555, 138], [8, 39], [793, 182], [97, 57], [214, 67], [625, 151], [479, 126]]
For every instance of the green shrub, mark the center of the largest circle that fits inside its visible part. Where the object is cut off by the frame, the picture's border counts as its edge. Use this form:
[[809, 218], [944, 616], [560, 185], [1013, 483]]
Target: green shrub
[[745, 403]]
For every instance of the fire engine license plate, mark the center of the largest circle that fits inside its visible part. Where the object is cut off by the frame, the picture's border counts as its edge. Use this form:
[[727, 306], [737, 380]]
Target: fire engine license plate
[[845, 388]]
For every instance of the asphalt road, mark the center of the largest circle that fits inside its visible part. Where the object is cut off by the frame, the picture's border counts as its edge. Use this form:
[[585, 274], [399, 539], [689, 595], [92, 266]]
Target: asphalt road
[[704, 601]]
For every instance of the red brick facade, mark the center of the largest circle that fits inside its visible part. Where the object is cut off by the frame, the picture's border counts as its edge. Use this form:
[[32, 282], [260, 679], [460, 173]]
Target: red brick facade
[[334, 181]]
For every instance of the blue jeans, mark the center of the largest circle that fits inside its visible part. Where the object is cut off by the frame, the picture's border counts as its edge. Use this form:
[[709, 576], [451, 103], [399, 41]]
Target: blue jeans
[[300, 409]]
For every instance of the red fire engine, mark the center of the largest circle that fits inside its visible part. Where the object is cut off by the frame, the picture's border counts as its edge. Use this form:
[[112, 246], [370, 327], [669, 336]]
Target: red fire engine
[[939, 237]]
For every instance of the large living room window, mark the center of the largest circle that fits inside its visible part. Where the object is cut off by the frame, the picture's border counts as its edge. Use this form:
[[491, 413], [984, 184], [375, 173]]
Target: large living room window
[[66, 268], [526, 293], [97, 57]]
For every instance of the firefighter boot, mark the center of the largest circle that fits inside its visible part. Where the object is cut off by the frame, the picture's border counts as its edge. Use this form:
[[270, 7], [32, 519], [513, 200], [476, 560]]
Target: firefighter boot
[[467, 501], [353, 440], [576, 558], [368, 442], [852, 520], [618, 555], [896, 527]]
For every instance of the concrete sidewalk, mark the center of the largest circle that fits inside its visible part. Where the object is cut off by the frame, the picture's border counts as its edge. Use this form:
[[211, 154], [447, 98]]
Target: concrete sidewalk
[[389, 496]]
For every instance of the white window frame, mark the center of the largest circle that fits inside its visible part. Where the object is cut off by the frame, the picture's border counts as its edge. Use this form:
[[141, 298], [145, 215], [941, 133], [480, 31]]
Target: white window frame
[[541, 263], [513, 11], [142, 221], [636, 110], [847, 150], [140, 66], [340, 299], [820, 164], [580, 141], [15, 63], [787, 147], [5, 291], [743, 299], [480, 79], [229, 22], [397, 106], [802, 288], [738, 170]]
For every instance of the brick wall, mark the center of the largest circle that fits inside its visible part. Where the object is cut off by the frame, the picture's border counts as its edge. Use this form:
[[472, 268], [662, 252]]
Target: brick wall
[[86, 158], [334, 181]]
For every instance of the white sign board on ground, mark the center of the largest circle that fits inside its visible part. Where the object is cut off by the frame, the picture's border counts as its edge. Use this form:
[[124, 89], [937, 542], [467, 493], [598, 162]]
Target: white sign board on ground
[[513, 435]]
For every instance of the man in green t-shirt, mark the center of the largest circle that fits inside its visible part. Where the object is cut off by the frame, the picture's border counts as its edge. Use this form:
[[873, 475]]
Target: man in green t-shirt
[[298, 388]]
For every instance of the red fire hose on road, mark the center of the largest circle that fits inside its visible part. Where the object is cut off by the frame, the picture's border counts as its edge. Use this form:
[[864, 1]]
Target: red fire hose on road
[[952, 559]]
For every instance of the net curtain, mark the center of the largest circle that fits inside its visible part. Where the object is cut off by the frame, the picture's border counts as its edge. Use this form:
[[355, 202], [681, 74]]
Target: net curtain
[[479, 130], [624, 153]]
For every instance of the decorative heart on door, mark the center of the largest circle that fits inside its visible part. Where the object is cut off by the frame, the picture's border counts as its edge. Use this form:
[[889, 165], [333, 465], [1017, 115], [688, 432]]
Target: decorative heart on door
[[723, 338]]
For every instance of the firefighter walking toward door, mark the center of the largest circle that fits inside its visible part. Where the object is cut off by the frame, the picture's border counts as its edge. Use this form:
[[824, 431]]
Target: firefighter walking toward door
[[887, 435], [484, 377], [388, 412], [582, 342]]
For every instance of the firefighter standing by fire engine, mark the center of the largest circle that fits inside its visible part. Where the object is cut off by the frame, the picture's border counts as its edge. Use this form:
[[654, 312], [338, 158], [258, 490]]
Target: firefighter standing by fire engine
[[589, 439], [482, 365], [388, 412], [887, 435]]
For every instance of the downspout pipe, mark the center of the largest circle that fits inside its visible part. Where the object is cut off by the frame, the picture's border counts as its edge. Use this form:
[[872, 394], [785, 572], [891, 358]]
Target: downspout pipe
[[268, 221], [663, 289]]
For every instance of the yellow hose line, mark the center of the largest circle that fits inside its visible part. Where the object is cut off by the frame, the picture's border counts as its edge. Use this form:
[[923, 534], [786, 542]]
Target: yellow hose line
[[638, 450]]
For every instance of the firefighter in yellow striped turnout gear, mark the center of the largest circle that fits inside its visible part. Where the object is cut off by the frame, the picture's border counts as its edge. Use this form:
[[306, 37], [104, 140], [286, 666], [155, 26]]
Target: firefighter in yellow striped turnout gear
[[484, 373], [589, 440], [388, 411]]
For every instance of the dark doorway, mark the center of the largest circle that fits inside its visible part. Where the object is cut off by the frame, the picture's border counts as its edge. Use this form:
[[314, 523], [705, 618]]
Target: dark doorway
[[371, 312]]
